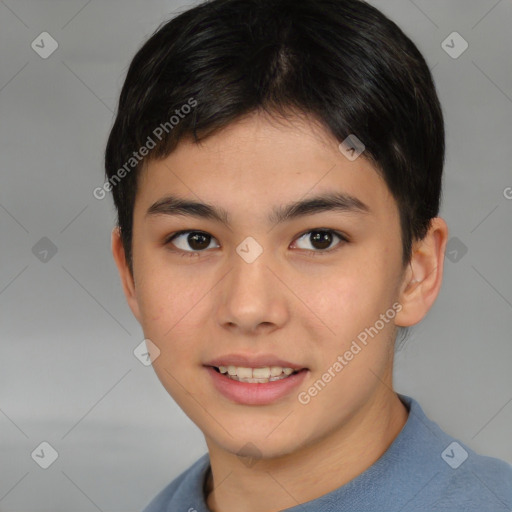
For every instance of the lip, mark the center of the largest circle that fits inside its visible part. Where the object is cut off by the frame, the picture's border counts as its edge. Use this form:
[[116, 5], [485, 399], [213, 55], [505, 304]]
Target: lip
[[246, 393], [252, 361]]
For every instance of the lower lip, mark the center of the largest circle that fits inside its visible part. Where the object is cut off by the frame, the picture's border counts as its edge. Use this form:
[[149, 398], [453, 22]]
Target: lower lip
[[255, 394]]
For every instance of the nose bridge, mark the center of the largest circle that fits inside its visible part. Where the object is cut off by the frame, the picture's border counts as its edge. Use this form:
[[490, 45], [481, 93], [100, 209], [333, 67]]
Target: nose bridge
[[251, 294], [250, 279]]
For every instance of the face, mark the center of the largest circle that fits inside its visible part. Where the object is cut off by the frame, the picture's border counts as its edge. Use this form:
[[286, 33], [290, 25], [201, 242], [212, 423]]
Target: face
[[256, 283]]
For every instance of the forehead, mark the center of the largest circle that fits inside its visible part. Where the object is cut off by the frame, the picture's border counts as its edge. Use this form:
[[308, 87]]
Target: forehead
[[257, 163]]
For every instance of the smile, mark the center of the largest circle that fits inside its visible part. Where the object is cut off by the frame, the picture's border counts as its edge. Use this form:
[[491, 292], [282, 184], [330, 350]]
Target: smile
[[256, 386], [255, 375]]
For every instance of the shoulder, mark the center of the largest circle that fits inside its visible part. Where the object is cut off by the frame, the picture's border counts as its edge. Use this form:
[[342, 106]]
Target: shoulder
[[479, 483], [184, 489], [455, 477]]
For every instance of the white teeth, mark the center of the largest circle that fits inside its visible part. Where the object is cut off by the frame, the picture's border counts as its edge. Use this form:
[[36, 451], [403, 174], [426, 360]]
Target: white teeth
[[259, 373], [275, 371], [259, 381], [262, 375], [244, 373]]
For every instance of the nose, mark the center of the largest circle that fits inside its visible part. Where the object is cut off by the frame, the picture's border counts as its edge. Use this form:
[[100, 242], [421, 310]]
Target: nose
[[252, 298]]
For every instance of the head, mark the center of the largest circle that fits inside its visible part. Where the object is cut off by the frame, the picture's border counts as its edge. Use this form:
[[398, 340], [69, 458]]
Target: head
[[232, 114]]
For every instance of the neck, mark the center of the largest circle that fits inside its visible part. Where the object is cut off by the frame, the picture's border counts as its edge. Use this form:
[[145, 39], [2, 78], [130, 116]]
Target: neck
[[276, 484]]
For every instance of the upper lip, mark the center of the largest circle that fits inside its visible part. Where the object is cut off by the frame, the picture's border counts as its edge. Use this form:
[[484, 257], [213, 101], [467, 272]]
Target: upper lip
[[253, 361]]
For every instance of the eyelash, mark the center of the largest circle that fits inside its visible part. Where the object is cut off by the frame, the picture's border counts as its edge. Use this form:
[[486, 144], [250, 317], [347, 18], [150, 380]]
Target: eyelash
[[187, 254]]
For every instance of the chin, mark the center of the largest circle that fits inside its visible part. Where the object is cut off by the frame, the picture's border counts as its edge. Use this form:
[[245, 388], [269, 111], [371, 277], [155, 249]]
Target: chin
[[252, 447]]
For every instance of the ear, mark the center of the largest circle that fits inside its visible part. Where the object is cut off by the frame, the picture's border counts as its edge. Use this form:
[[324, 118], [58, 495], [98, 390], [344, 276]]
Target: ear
[[424, 275], [127, 279]]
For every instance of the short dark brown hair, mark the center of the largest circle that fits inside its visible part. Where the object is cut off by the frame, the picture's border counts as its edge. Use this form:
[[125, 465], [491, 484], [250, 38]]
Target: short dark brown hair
[[341, 61]]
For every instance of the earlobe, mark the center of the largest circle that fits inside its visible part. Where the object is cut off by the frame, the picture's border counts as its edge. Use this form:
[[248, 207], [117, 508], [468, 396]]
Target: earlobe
[[423, 278], [125, 274]]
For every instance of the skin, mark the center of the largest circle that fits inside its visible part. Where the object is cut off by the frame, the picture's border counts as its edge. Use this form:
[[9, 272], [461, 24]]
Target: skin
[[292, 302]]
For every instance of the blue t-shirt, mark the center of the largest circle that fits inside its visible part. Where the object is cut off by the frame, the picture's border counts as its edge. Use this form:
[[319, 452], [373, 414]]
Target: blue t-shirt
[[424, 469]]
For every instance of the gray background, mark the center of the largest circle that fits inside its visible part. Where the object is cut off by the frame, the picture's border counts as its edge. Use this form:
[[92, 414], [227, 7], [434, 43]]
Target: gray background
[[68, 375]]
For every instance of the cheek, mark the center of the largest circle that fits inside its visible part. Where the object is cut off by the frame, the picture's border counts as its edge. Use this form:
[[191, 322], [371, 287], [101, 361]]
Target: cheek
[[169, 310], [169, 303], [349, 296], [350, 301]]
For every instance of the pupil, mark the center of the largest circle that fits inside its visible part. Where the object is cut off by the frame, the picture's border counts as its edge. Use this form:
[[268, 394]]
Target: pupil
[[322, 238], [198, 241]]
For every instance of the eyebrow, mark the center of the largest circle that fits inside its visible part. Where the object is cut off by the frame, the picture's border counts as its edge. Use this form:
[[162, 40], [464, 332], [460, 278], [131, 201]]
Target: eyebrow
[[336, 201]]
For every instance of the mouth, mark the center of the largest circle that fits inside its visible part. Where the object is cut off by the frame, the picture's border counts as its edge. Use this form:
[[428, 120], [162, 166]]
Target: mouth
[[261, 375], [256, 386]]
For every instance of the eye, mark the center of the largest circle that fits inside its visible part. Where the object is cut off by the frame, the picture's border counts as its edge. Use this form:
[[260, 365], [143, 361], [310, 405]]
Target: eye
[[197, 240], [320, 239]]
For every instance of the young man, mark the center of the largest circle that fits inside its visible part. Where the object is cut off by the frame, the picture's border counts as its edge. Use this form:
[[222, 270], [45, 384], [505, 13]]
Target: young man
[[276, 166]]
